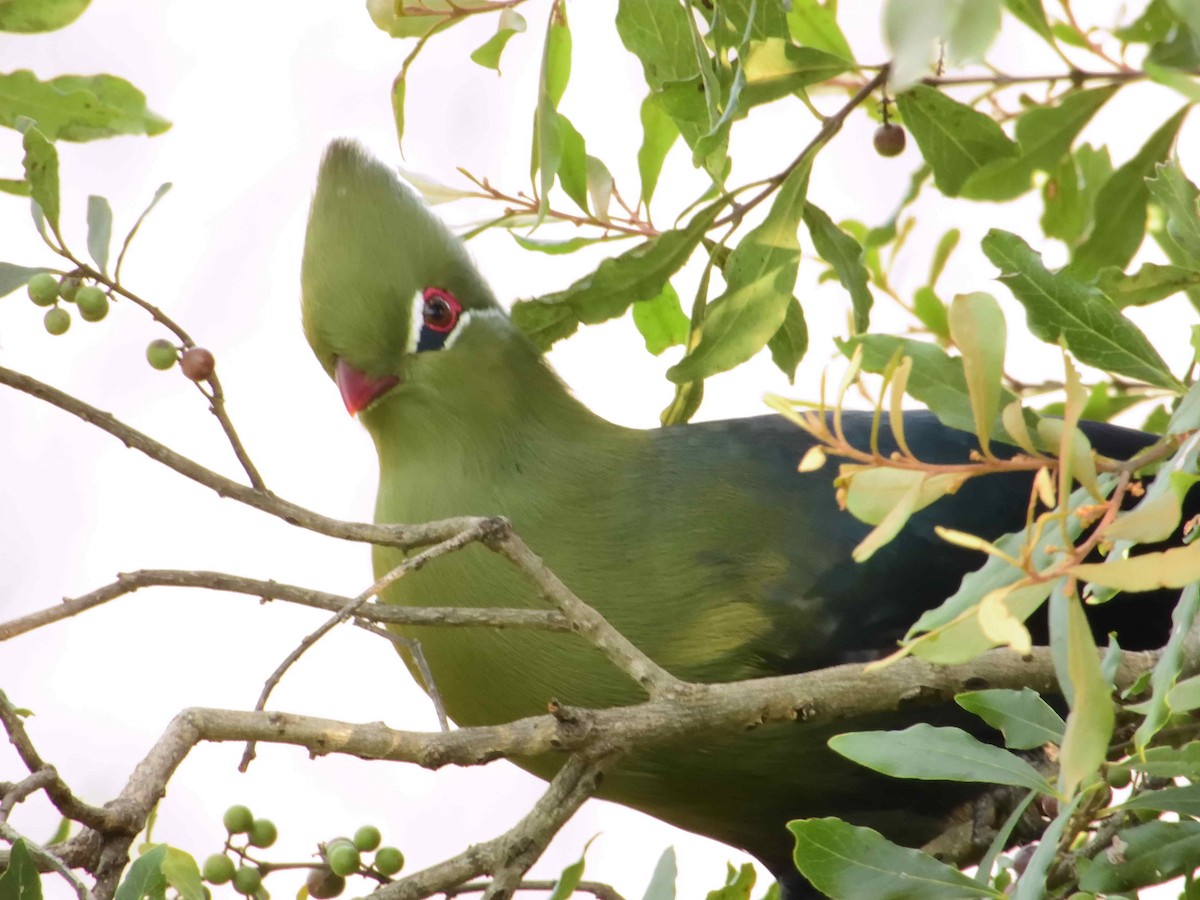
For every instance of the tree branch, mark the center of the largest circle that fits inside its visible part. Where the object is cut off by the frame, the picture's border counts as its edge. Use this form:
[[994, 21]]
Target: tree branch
[[385, 614]]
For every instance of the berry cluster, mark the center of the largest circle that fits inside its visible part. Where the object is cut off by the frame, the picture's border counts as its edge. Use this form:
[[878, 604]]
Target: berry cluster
[[92, 303], [340, 858]]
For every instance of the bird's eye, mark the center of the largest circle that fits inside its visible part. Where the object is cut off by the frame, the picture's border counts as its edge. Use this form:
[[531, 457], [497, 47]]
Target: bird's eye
[[441, 310]]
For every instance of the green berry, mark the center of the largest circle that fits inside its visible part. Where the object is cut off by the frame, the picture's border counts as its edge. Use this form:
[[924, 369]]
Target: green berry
[[57, 321], [92, 303], [389, 860], [342, 857], [68, 287], [367, 838], [889, 139], [218, 869], [247, 880], [197, 363], [1118, 777], [161, 354], [43, 289], [323, 884], [263, 833], [238, 819]]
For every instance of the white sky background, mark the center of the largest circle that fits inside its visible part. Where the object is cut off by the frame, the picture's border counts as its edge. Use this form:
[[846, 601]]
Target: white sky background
[[255, 91]]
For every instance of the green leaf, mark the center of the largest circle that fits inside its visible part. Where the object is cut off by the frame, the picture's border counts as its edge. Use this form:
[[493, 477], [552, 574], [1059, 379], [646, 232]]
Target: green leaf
[[813, 25], [1183, 800], [488, 54], [1032, 14], [145, 877], [1185, 84], [789, 344], [759, 278], [547, 134], [1120, 219], [937, 379], [1167, 669], [1151, 854], [31, 16], [959, 639], [1177, 196], [738, 884], [930, 753], [1151, 283], [572, 166], [20, 881], [978, 329], [181, 872], [1090, 722], [41, 171], [1044, 135], [658, 34], [1070, 193], [661, 320], [912, 31], [929, 308], [570, 877], [159, 193], [553, 248], [955, 139], [99, 233], [1168, 762], [399, 88], [1179, 50], [1150, 27], [843, 860], [941, 254], [18, 187], [1023, 717], [77, 107], [1188, 13], [1059, 306], [662, 881], [775, 68], [658, 135], [842, 252], [637, 274], [13, 277]]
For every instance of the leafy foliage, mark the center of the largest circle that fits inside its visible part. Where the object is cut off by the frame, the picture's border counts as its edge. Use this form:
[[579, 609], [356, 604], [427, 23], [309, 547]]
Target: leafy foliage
[[707, 68]]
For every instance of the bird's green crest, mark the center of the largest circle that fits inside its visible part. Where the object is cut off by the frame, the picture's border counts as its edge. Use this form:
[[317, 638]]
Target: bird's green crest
[[372, 245]]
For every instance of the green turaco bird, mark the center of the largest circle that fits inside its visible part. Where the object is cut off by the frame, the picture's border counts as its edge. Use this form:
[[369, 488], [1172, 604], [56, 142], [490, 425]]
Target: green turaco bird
[[701, 543]]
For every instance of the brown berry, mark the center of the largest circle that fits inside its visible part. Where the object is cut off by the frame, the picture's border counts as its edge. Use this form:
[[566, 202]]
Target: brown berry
[[889, 139], [197, 363], [322, 884]]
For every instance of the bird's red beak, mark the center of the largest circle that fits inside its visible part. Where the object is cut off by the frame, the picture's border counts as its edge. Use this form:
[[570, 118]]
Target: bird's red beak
[[359, 390]]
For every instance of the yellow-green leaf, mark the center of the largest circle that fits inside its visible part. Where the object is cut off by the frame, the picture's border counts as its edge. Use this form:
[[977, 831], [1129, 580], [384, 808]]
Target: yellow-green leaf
[[977, 327]]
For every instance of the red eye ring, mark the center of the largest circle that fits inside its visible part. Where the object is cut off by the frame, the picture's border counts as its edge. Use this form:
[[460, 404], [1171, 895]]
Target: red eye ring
[[441, 310]]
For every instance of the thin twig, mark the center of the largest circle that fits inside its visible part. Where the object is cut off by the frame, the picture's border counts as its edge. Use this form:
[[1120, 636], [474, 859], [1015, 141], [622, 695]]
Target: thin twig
[[387, 614], [216, 399], [403, 536], [476, 532], [413, 647], [15, 793], [830, 127], [596, 888], [653, 678], [57, 790]]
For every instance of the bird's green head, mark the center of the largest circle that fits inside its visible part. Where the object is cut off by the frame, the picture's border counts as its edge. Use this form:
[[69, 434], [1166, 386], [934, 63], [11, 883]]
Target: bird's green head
[[386, 287]]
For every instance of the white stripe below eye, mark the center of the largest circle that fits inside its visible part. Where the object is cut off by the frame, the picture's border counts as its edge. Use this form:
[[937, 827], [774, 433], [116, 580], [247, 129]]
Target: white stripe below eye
[[417, 323], [464, 318]]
